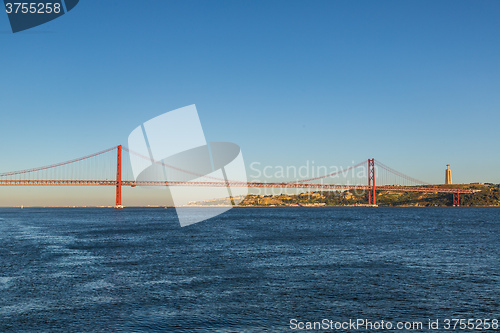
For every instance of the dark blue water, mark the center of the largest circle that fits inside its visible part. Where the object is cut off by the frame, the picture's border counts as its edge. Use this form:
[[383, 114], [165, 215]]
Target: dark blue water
[[250, 270]]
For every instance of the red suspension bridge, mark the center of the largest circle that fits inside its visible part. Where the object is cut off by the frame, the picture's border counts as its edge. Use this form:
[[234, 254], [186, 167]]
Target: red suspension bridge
[[105, 168]]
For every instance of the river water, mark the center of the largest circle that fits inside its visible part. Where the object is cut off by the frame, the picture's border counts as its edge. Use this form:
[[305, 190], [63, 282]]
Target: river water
[[248, 270]]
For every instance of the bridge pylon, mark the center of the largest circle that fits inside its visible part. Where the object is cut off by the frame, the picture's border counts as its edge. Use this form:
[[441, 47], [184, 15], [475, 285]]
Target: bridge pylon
[[456, 198], [372, 196], [119, 178]]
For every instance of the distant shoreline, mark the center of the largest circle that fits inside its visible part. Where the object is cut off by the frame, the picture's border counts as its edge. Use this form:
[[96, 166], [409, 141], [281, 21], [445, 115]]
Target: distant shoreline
[[171, 207]]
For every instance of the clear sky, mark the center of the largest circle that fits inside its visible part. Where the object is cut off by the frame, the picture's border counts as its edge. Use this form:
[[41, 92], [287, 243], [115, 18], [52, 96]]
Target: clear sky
[[414, 84]]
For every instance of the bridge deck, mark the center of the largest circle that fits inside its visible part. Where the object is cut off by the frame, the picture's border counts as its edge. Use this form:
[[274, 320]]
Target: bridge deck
[[430, 188]]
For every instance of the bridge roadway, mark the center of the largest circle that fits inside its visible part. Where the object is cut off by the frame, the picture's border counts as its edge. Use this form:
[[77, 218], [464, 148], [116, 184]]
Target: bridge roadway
[[428, 188]]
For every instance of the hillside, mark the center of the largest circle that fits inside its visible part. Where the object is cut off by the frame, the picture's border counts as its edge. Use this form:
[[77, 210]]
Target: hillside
[[489, 196]]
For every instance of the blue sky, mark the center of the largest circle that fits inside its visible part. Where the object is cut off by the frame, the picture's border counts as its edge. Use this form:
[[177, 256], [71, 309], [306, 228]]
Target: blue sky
[[414, 84]]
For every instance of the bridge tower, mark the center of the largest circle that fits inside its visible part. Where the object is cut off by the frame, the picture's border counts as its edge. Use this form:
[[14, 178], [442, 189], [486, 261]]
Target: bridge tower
[[372, 196], [456, 198], [119, 178]]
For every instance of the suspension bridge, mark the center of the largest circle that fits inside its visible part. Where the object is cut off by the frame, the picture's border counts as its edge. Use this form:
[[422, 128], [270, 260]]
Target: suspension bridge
[[105, 168]]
